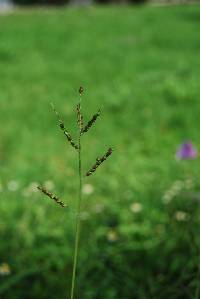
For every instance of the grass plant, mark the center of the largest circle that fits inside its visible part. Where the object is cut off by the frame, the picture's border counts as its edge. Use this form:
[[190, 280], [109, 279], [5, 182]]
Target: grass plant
[[78, 147]]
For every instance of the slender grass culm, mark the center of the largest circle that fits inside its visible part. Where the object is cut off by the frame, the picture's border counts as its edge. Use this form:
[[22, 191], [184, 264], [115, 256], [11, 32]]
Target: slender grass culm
[[82, 129]]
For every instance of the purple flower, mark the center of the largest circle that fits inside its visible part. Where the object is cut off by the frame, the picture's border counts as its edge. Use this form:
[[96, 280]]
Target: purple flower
[[187, 151]]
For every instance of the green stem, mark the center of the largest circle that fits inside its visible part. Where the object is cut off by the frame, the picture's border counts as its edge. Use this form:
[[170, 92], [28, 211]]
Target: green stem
[[77, 231]]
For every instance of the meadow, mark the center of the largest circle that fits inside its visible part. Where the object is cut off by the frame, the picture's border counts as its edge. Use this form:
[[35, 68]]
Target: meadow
[[140, 216]]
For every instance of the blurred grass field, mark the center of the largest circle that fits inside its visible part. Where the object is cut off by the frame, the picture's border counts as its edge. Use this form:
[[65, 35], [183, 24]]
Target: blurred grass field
[[141, 209]]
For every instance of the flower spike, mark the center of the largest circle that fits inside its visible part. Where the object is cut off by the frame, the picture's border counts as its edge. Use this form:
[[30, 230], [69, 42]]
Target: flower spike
[[64, 129], [99, 161], [52, 196], [91, 122]]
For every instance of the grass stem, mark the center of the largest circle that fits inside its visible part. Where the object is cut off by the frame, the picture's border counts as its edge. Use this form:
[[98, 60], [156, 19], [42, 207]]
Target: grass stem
[[77, 232]]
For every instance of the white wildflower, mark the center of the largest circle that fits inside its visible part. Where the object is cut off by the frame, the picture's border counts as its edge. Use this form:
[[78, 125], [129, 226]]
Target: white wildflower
[[13, 186], [167, 198], [88, 189], [112, 236], [136, 207], [181, 216], [4, 269]]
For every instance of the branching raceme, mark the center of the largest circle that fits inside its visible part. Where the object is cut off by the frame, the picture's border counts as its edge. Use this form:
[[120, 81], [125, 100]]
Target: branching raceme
[[82, 129]]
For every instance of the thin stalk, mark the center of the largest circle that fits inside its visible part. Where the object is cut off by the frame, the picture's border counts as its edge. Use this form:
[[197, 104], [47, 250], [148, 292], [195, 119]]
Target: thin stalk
[[77, 231]]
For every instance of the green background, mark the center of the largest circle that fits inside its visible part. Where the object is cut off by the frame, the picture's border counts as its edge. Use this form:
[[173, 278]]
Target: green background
[[140, 66]]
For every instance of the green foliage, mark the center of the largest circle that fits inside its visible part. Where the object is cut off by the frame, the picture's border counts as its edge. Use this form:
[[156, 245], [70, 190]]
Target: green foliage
[[140, 225]]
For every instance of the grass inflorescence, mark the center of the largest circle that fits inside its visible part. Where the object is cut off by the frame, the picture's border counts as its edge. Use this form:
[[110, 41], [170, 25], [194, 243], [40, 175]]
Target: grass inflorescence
[[91, 122], [52, 196], [78, 147], [99, 161]]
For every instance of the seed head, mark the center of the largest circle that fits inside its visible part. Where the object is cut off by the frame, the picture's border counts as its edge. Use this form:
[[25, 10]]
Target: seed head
[[81, 90], [91, 122], [79, 117], [64, 129], [99, 161], [52, 196]]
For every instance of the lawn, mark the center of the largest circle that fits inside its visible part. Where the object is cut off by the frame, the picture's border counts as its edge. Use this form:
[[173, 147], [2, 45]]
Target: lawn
[[140, 216]]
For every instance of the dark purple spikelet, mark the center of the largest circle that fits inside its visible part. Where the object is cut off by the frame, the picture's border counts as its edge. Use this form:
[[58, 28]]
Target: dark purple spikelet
[[52, 196], [64, 129], [79, 117], [68, 136], [91, 122], [99, 161], [81, 90], [187, 151]]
